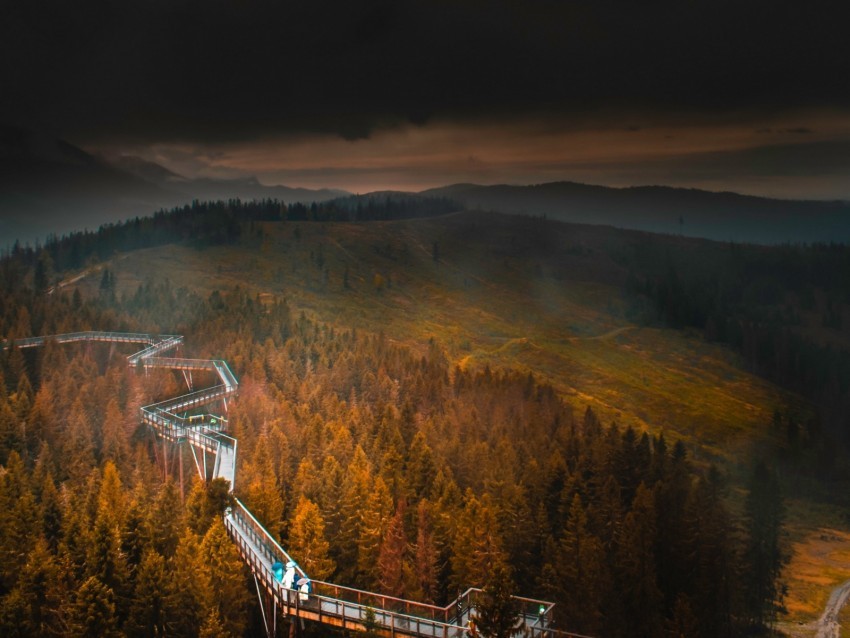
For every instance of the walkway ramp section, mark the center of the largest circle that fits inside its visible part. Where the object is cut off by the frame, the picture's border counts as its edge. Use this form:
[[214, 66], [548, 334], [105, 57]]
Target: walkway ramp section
[[355, 609]]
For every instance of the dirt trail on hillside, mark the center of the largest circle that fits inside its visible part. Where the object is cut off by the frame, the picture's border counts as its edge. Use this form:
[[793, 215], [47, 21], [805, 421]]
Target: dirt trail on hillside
[[827, 625], [88, 271], [607, 335], [611, 333]]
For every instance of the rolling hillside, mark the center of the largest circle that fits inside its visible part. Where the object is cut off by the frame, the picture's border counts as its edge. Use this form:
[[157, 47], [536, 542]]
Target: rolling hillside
[[660, 209], [544, 298], [495, 297]]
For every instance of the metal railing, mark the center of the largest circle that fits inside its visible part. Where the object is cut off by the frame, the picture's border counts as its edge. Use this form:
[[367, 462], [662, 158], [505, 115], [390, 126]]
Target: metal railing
[[260, 551], [92, 335]]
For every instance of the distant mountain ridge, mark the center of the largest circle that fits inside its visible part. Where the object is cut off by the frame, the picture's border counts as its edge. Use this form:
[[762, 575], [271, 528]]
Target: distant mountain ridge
[[51, 187], [209, 189], [720, 216]]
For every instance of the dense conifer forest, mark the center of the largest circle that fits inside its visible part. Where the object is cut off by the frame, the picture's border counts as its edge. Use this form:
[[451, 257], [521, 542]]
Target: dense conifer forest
[[377, 465]]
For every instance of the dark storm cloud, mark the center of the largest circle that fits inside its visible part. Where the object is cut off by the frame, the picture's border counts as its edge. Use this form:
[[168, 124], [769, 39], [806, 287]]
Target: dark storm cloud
[[826, 158], [215, 69]]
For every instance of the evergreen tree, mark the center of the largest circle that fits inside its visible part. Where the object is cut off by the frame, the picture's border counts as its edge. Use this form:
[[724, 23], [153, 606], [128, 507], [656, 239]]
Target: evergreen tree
[[262, 490], [227, 578], [358, 483], [639, 598], [715, 557], [307, 541], [206, 502], [93, 612], [392, 557], [147, 618], [496, 612], [51, 513], [375, 520], [426, 557], [104, 558], [583, 574], [763, 556], [477, 544], [213, 626], [37, 596], [188, 590], [166, 520], [114, 445]]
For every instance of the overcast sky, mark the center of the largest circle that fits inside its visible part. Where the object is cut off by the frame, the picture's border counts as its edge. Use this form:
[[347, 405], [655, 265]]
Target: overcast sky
[[740, 95]]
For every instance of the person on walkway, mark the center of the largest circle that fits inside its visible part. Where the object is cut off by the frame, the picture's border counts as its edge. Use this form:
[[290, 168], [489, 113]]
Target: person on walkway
[[304, 590], [288, 582], [289, 575]]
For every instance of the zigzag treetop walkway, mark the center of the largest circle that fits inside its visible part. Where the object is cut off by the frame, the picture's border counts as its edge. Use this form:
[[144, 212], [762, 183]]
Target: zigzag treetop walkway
[[326, 603]]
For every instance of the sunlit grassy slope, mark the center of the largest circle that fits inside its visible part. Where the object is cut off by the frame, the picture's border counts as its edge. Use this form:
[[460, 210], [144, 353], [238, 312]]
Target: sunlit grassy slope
[[524, 294], [502, 291]]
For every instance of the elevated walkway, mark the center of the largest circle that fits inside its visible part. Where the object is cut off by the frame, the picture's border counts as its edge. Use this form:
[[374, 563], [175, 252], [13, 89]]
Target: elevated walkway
[[327, 603]]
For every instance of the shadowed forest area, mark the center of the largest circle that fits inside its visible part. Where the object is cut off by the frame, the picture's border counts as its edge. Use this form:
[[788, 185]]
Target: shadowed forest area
[[389, 467]]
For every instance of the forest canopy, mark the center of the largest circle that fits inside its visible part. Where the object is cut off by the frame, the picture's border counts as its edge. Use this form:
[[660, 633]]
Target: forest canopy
[[385, 467]]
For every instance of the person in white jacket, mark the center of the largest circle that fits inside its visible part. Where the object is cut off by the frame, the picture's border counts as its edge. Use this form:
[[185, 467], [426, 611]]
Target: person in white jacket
[[288, 581], [304, 590]]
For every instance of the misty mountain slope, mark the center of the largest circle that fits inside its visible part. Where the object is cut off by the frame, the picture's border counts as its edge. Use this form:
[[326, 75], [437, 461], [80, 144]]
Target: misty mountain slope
[[208, 189], [502, 291], [48, 186], [691, 212]]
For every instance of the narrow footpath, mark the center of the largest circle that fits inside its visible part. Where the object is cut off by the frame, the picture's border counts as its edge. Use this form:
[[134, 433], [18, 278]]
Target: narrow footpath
[[827, 625]]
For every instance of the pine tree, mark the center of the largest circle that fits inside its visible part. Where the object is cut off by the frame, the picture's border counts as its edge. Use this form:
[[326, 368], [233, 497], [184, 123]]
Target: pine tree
[[136, 535], [392, 557], [188, 590], [111, 497], [710, 532], [477, 544], [93, 612], [763, 556], [420, 469], [307, 542], [166, 520], [147, 617], [262, 491], [496, 611], [426, 558], [115, 445], [206, 502], [227, 578], [213, 626], [20, 521], [635, 572], [375, 519], [77, 446], [582, 573], [358, 483], [51, 513], [10, 432], [330, 501], [38, 595], [104, 558]]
